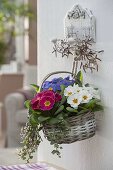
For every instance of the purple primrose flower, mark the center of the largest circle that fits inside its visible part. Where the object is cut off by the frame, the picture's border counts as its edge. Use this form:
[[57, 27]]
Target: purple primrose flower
[[55, 84]]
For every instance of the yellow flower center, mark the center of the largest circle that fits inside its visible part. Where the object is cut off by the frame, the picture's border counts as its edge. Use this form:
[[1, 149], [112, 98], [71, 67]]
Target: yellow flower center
[[85, 97], [78, 91], [69, 93], [75, 101], [47, 103], [50, 88]]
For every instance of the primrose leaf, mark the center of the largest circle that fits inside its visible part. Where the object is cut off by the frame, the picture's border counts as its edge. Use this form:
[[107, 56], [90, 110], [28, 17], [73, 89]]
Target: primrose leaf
[[36, 112], [27, 104], [53, 121], [33, 119], [59, 109], [83, 111], [63, 100], [71, 109], [60, 116], [62, 89], [36, 87], [42, 118], [98, 108], [91, 104], [80, 76]]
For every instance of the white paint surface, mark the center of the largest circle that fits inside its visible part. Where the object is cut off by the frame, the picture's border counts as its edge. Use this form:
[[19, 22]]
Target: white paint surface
[[95, 153], [30, 75]]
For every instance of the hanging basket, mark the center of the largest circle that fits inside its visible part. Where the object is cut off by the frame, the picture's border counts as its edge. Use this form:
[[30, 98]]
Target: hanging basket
[[79, 127]]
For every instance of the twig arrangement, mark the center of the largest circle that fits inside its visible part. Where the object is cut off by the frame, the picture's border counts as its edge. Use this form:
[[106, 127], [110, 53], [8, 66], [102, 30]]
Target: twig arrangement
[[85, 57]]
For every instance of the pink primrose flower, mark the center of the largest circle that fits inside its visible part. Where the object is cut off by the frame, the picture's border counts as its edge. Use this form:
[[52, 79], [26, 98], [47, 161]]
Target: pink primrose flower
[[35, 102], [46, 103], [58, 97], [49, 93]]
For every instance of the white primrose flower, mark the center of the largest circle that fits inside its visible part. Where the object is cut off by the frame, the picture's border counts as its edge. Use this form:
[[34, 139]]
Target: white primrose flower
[[86, 96], [74, 100], [95, 93], [69, 91], [77, 89]]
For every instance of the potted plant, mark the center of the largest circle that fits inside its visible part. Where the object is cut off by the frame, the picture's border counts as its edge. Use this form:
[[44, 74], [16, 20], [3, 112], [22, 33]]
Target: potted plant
[[63, 108]]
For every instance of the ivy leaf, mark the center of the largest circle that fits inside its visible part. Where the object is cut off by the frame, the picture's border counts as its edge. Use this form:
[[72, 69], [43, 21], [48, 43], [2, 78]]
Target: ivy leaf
[[36, 87], [27, 104], [71, 109], [59, 109]]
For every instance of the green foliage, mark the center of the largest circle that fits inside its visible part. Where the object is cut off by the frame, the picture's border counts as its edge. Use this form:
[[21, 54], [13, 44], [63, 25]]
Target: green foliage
[[56, 120], [70, 109], [63, 100], [80, 76], [62, 89], [60, 109], [42, 119], [33, 119], [27, 104], [3, 48], [35, 87], [30, 139], [8, 11]]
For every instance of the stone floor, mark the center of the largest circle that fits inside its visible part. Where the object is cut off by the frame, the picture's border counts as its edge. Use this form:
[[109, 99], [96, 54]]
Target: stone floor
[[9, 156]]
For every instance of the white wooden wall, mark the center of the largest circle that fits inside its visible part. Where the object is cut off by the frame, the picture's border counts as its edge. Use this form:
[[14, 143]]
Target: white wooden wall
[[95, 153]]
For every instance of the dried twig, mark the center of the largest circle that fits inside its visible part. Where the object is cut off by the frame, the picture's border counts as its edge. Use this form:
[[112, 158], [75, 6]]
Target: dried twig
[[85, 56]]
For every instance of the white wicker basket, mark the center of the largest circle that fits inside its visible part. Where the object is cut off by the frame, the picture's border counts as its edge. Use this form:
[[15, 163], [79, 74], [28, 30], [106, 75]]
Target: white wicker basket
[[80, 127]]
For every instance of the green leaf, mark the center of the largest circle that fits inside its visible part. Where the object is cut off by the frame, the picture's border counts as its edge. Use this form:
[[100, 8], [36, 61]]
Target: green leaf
[[97, 108], [71, 109], [83, 111], [78, 82], [62, 101], [53, 121], [62, 89], [59, 116], [35, 87], [91, 104], [33, 119], [36, 112], [80, 76], [27, 104], [42, 118], [59, 109]]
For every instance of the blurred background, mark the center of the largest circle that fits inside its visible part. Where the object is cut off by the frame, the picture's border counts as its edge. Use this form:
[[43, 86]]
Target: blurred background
[[18, 62]]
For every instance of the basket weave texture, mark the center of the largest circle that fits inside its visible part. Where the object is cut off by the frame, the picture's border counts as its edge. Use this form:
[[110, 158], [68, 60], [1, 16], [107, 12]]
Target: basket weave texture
[[80, 127]]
